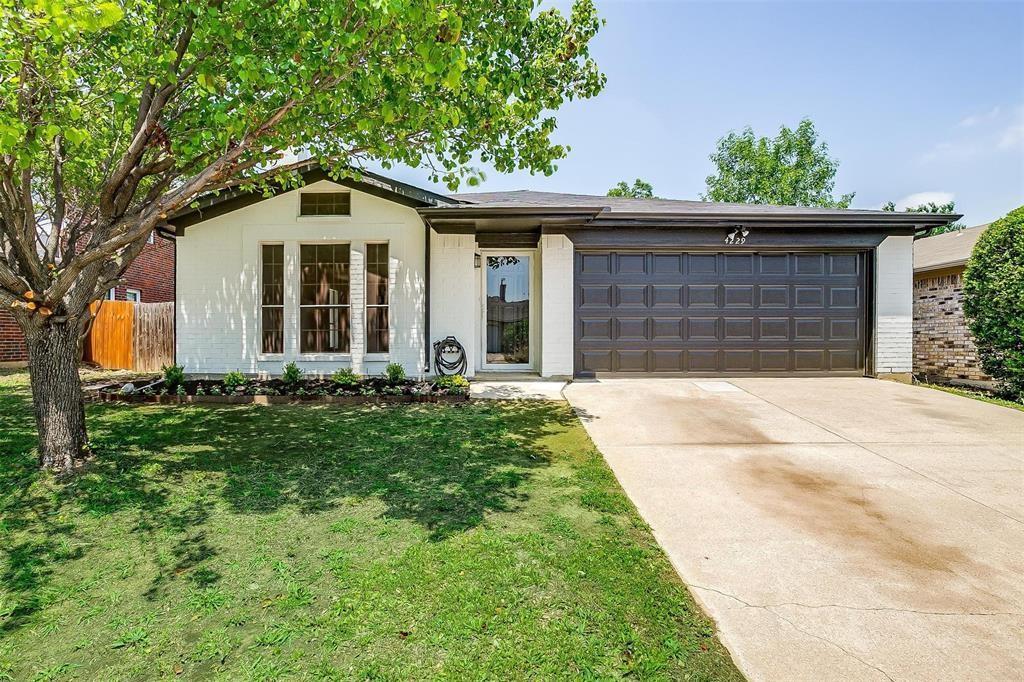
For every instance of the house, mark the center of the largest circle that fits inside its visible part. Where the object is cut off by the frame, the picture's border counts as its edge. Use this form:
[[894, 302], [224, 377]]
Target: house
[[359, 273], [149, 279], [944, 349]]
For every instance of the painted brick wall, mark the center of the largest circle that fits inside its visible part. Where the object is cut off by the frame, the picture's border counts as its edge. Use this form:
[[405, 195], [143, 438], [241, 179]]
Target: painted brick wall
[[218, 311], [556, 256], [894, 305], [454, 292], [152, 273], [943, 346]]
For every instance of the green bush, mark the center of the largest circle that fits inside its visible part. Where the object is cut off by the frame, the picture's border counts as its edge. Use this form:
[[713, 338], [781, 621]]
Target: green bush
[[345, 377], [291, 374], [455, 383], [994, 300], [394, 372], [234, 379], [174, 376]]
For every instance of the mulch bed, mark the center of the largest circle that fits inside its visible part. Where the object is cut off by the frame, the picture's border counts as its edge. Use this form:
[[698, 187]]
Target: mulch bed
[[276, 392]]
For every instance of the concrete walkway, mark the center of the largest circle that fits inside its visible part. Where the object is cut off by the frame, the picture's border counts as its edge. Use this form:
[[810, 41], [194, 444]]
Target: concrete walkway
[[514, 389], [835, 529]]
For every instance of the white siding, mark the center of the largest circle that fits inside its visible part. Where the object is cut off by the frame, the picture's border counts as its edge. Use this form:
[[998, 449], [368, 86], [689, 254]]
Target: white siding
[[218, 311], [454, 292], [556, 259], [894, 305]]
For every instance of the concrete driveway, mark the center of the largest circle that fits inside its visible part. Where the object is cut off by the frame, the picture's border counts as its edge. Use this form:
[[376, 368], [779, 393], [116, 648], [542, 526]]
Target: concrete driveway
[[834, 528]]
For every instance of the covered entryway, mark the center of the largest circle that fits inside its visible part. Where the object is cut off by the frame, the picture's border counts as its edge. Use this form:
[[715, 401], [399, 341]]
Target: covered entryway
[[720, 313]]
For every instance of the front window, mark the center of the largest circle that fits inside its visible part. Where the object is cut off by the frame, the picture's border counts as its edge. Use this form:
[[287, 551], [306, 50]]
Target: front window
[[377, 298], [133, 295], [272, 298], [324, 298]]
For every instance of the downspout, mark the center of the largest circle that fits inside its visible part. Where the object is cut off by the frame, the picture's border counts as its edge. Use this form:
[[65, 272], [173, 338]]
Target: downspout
[[426, 297]]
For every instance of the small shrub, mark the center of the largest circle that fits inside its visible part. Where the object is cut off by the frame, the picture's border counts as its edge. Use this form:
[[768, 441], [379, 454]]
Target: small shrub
[[180, 390], [292, 374], [174, 375], [215, 390], [394, 372], [233, 380], [345, 377], [994, 301], [453, 383], [200, 390]]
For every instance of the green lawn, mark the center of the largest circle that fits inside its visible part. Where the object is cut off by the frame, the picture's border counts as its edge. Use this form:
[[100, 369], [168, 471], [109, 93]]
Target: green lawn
[[976, 394], [486, 540]]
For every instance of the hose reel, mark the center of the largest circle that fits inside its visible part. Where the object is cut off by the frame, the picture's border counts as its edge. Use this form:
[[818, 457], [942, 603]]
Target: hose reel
[[449, 356]]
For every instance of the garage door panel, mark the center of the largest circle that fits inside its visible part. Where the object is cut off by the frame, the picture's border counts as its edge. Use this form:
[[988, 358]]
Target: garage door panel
[[667, 329], [702, 295], [702, 329], [667, 361], [667, 311], [739, 328], [739, 296], [631, 295], [702, 264], [843, 360], [739, 360], [595, 329], [631, 361], [631, 329]]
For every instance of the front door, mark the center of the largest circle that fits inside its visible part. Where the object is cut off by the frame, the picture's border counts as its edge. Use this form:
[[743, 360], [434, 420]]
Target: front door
[[507, 300]]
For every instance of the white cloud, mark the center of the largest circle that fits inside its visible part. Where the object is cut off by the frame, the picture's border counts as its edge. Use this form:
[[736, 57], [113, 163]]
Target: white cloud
[[977, 119], [914, 200]]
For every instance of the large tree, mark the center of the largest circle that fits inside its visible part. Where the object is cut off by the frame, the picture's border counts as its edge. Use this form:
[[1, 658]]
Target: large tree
[[930, 207], [791, 169], [640, 189], [116, 114]]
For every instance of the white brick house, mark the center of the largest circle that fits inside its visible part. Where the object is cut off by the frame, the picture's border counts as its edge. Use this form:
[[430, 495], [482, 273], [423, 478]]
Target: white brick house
[[362, 273]]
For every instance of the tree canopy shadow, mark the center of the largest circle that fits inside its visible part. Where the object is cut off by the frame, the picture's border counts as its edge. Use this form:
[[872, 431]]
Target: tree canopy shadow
[[442, 467]]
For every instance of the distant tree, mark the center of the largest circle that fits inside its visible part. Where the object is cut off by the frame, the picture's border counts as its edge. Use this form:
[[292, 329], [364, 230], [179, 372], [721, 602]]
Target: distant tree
[[931, 207], [791, 169], [639, 190], [994, 300]]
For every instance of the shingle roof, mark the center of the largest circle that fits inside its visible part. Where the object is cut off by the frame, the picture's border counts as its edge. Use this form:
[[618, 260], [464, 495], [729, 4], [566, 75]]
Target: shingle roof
[[525, 198], [946, 250]]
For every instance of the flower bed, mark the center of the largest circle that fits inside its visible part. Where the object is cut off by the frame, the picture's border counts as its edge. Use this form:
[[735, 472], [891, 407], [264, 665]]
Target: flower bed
[[278, 391]]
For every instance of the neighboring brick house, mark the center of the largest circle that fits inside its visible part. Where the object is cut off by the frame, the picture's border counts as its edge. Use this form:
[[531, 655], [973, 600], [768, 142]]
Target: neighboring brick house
[[149, 279], [944, 349]]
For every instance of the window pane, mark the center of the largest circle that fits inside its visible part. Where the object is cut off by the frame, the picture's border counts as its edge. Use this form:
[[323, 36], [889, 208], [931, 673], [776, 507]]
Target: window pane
[[376, 274], [325, 203], [377, 330], [324, 330], [273, 274], [324, 274], [273, 330]]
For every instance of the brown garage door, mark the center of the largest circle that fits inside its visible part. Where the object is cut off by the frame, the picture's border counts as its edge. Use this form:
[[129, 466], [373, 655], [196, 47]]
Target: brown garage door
[[720, 313]]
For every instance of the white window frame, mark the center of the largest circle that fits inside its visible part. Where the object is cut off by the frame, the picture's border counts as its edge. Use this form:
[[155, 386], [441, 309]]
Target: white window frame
[[322, 355], [111, 294], [376, 355], [129, 293], [532, 307], [260, 305]]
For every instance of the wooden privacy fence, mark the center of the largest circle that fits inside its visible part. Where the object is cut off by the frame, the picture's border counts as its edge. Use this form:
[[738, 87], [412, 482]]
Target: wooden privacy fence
[[128, 335]]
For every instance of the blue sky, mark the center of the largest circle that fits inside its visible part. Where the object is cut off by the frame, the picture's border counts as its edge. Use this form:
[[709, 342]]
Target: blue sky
[[913, 98]]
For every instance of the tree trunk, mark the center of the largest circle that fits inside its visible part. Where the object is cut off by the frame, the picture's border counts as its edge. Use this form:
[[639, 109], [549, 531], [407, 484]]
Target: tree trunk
[[57, 394]]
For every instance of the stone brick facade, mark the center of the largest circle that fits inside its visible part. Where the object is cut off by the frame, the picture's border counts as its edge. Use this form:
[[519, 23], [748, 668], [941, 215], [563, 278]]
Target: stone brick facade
[[151, 274], [943, 346]]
